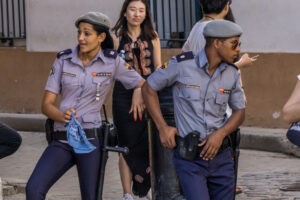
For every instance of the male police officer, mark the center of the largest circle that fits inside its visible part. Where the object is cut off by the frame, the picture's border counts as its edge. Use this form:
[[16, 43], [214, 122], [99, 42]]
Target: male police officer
[[203, 84]]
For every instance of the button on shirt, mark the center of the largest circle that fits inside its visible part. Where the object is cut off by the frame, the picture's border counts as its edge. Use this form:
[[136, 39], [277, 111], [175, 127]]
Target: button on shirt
[[200, 100], [79, 85]]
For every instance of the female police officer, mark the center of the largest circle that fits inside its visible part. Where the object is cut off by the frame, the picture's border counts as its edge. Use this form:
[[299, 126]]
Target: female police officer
[[82, 77]]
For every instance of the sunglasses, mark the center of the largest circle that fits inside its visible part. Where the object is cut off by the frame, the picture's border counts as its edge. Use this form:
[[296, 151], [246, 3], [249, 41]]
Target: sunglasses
[[236, 44]]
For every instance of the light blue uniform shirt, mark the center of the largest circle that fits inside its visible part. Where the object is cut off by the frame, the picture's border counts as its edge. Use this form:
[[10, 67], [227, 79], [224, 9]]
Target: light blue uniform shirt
[[200, 100], [79, 85]]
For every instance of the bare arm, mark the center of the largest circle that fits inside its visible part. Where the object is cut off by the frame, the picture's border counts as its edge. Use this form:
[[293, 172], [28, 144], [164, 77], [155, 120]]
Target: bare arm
[[156, 53], [245, 60], [137, 102], [140, 84], [51, 111], [214, 141], [166, 133], [291, 110]]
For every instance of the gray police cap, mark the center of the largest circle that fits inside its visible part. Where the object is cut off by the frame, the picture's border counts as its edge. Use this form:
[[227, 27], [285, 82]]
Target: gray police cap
[[222, 29], [96, 18]]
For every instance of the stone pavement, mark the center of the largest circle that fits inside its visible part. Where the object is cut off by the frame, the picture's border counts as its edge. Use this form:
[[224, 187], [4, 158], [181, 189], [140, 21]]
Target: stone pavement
[[19, 166], [260, 174]]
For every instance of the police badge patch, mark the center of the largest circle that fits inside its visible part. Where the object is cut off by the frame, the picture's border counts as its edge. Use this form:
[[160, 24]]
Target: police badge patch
[[102, 74], [225, 91]]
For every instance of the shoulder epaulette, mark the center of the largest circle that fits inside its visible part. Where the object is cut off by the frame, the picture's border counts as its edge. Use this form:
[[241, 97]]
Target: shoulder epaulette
[[233, 65], [110, 53], [185, 56], [64, 52]]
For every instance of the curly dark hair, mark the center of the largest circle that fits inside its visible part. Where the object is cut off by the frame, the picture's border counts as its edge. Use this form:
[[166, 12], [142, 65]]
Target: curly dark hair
[[213, 6], [121, 29]]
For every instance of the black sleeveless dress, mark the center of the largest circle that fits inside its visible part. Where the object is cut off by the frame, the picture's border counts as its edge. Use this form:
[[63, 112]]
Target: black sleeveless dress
[[134, 135]]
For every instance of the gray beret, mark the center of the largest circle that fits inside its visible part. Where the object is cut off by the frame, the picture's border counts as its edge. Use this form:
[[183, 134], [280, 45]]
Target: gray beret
[[222, 29], [96, 18]]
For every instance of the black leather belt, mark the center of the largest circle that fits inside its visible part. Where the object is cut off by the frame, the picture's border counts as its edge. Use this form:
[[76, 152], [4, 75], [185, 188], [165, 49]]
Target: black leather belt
[[90, 133], [225, 144]]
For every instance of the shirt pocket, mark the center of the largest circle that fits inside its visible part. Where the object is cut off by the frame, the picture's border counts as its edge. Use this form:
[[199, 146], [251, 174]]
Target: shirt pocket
[[190, 92], [190, 98], [221, 102], [70, 79], [101, 81]]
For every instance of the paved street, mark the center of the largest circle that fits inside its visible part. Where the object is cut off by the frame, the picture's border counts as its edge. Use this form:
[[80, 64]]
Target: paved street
[[260, 173]]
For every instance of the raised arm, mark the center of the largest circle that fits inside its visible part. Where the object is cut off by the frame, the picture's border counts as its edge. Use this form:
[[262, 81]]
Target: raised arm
[[245, 60], [156, 53]]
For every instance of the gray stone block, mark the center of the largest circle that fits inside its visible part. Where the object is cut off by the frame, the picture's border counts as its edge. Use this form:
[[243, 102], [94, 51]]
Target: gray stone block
[[273, 140], [24, 122]]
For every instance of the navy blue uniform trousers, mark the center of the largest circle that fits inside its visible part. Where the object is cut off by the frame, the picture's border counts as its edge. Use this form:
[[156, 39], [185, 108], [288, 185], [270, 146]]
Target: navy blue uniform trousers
[[206, 180], [10, 141], [55, 161]]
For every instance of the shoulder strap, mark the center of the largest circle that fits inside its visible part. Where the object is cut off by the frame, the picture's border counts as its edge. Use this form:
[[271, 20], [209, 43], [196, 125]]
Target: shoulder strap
[[64, 52], [110, 53], [185, 56]]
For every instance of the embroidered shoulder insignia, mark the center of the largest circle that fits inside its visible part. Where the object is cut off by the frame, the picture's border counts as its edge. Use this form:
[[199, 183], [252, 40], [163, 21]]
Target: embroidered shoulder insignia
[[52, 71], [64, 52], [164, 66], [128, 66], [233, 65], [110, 53], [185, 56]]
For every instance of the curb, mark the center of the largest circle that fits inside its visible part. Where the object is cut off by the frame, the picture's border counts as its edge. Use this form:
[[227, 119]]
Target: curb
[[265, 139], [13, 186], [24, 122]]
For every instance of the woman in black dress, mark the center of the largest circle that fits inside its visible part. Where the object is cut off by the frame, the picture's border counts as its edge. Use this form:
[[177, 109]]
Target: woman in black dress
[[137, 42]]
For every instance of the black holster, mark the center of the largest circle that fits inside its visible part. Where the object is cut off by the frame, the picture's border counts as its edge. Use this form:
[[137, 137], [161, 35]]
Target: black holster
[[49, 129], [187, 147], [112, 134]]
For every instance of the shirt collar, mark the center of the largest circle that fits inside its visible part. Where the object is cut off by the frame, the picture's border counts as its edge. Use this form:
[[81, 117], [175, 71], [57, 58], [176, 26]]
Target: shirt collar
[[203, 62], [74, 56], [101, 56], [75, 59], [202, 59]]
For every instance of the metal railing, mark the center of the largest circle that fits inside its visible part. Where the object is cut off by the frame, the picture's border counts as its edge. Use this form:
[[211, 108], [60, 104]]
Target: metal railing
[[12, 20], [174, 20]]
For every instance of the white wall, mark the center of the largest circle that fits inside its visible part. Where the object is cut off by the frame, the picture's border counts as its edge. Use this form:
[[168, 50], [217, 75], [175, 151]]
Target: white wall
[[269, 25], [50, 24]]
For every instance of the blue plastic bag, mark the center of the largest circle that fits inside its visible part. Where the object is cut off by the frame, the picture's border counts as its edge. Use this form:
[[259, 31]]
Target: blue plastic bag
[[77, 138]]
